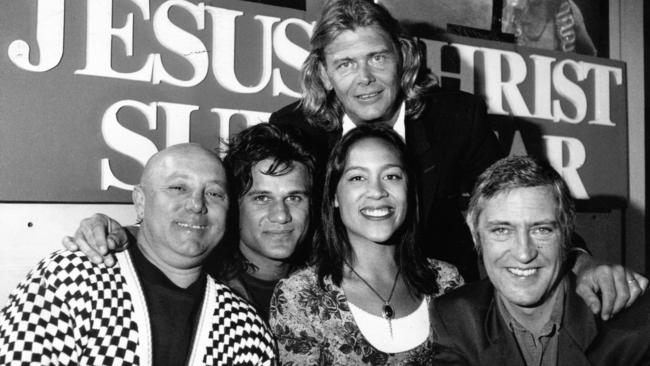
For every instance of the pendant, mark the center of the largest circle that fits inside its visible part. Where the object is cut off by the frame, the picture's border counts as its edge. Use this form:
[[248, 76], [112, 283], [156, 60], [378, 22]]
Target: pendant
[[387, 311]]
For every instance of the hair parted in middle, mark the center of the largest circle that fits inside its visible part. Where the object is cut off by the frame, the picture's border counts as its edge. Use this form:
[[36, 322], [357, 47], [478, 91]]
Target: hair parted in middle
[[333, 248], [322, 107]]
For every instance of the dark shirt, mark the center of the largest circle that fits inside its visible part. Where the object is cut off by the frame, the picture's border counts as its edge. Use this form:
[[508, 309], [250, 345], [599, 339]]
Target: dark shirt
[[173, 311], [537, 349], [259, 293]]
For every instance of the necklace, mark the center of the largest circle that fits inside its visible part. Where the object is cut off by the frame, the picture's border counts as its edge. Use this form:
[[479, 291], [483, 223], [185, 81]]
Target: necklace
[[386, 310]]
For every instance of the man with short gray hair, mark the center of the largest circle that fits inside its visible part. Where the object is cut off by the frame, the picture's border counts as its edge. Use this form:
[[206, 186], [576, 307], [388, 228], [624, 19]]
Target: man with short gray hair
[[527, 312]]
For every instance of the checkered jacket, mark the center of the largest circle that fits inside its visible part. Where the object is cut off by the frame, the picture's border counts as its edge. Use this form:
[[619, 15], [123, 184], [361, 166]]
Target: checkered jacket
[[69, 311]]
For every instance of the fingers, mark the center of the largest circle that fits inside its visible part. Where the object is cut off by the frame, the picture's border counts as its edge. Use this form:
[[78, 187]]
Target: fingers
[[588, 293], [86, 248], [641, 281], [599, 287], [635, 290], [605, 284], [97, 238], [68, 243], [113, 246], [117, 239], [91, 238], [637, 285], [608, 288], [623, 288]]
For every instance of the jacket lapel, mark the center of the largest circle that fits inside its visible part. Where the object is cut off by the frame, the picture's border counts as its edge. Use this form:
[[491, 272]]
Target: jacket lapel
[[502, 348], [579, 329], [422, 140]]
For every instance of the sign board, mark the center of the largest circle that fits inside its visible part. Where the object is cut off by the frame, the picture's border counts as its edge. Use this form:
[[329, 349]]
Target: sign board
[[92, 89]]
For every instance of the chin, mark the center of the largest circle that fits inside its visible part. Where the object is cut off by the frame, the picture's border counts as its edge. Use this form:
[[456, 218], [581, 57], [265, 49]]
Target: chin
[[525, 300]]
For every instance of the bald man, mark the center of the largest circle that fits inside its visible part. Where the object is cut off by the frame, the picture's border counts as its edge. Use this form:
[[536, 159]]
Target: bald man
[[157, 306]]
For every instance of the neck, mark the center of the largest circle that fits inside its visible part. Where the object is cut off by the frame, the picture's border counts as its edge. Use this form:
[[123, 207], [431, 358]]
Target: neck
[[373, 260], [534, 318], [181, 277], [266, 269]]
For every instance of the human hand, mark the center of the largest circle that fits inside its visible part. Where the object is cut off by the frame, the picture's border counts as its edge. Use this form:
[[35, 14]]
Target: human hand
[[617, 286], [98, 237]]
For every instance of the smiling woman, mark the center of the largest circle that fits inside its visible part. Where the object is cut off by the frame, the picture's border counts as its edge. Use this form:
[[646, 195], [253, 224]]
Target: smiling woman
[[365, 298]]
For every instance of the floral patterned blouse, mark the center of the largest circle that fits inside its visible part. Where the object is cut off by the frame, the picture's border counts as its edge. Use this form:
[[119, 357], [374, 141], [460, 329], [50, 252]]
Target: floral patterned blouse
[[314, 326]]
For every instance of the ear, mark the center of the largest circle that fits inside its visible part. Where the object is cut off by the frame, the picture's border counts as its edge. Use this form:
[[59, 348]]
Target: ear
[[138, 201], [474, 233], [324, 78]]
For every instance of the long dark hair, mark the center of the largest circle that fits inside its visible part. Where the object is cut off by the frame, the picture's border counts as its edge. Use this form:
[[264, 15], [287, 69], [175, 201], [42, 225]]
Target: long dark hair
[[333, 246]]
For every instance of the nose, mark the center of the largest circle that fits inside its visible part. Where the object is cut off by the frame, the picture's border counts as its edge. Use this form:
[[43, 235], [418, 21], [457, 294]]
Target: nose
[[376, 189], [196, 202], [525, 249], [279, 213], [365, 74]]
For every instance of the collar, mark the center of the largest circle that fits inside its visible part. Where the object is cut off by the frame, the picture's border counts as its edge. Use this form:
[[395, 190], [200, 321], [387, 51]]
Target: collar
[[552, 325], [150, 275], [578, 323], [399, 125]]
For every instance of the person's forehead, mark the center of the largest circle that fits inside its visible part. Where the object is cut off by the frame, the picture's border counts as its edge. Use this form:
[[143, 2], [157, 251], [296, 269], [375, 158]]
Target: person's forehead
[[295, 178], [191, 164], [524, 204], [371, 151], [358, 40]]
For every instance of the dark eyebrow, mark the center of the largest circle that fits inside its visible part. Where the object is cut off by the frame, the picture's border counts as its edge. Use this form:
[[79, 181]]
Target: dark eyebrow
[[536, 223], [342, 59], [380, 52], [252, 192], [255, 192], [298, 191], [498, 222], [383, 167]]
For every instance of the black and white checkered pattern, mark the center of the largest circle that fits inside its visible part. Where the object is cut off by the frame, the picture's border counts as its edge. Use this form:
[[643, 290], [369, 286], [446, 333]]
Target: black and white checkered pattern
[[69, 311], [237, 334]]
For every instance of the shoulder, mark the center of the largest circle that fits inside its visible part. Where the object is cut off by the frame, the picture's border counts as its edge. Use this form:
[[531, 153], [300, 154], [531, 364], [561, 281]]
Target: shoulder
[[288, 115], [453, 113], [64, 266], [297, 297], [302, 293], [65, 277], [634, 318], [452, 98], [236, 285], [225, 295], [473, 297], [623, 340], [447, 276], [230, 308], [303, 279], [238, 332]]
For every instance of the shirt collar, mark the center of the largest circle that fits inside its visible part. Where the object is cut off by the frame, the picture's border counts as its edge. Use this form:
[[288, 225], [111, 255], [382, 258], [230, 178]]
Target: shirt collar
[[553, 323], [399, 125]]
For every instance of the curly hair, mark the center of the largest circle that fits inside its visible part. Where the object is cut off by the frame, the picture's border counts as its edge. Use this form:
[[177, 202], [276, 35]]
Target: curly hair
[[249, 147], [322, 107]]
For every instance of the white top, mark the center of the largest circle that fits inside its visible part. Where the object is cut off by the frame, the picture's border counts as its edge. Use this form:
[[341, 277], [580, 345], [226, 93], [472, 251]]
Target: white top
[[398, 126], [408, 332]]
